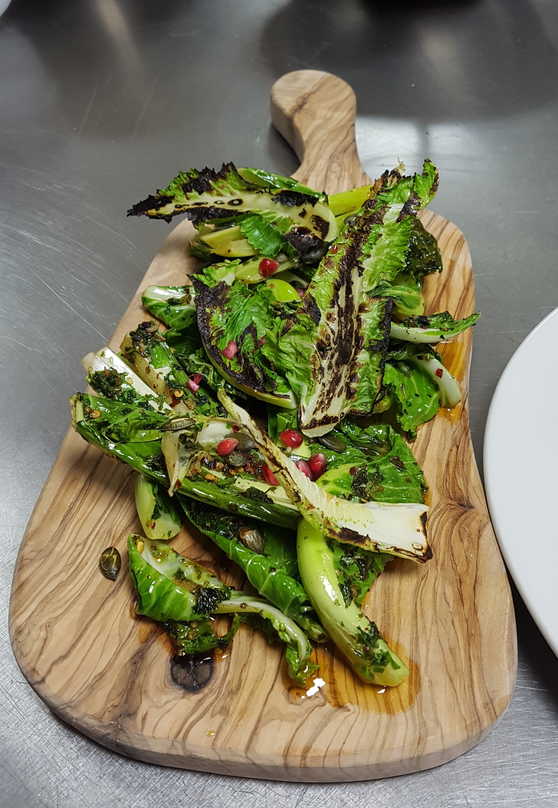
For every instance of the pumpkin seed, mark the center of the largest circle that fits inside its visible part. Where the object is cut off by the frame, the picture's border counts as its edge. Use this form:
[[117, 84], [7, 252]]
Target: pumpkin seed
[[110, 563], [236, 459], [252, 539]]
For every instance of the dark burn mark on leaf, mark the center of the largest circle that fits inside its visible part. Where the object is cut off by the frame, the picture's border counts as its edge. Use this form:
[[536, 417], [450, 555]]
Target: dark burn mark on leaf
[[320, 224], [345, 534], [339, 341], [293, 199], [423, 255], [310, 247], [207, 599], [201, 182], [195, 182], [420, 321], [380, 346], [151, 203], [409, 208], [144, 336], [327, 419], [312, 309], [205, 212]]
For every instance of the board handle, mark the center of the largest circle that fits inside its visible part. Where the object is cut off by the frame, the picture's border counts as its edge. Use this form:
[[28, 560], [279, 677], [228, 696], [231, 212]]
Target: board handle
[[315, 112]]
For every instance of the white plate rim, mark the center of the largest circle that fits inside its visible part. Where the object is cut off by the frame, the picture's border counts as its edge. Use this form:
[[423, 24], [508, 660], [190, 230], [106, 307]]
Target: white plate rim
[[489, 463]]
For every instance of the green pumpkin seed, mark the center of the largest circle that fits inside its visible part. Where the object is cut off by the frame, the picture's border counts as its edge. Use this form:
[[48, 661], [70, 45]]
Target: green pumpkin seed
[[110, 563]]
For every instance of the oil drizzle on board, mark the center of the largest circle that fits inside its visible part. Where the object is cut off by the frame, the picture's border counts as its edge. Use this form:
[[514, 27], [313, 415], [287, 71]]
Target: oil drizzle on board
[[146, 629], [455, 355], [337, 685], [452, 415]]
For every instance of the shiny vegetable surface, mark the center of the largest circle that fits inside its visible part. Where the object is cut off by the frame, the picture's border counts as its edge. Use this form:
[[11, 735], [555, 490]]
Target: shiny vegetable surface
[[304, 313]]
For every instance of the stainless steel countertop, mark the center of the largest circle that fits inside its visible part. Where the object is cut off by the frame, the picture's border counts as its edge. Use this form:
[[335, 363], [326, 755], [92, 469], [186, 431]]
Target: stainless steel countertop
[[102, 101]]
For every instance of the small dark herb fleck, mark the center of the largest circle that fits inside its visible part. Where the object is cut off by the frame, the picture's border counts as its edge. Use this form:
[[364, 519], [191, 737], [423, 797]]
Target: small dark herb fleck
[[207, 598]]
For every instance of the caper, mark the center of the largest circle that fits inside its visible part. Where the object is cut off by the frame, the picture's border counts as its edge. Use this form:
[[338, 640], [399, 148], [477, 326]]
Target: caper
[[236, 459], [110, 563], [333, 442]]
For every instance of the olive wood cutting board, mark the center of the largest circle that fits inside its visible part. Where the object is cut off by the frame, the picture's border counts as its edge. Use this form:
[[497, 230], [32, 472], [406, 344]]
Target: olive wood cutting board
[[107, 673]]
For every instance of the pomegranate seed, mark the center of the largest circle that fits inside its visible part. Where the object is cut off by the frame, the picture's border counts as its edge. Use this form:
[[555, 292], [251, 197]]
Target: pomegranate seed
[[226, 446], [290, 437], [304, 467], [267, 267], [439, 373], [317, 465], [230, 350], [269, 476]]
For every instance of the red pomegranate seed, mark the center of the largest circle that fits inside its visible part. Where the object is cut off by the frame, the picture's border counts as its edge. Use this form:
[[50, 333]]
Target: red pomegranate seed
[[317, 465], [269, 476], [230, 350], [439, 373], [226, 446], [304, 467], [291, 438], [194, 382], [267, 267]]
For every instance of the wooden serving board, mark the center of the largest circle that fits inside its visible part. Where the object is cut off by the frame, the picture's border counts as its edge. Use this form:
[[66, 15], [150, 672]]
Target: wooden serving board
[[106, 672]]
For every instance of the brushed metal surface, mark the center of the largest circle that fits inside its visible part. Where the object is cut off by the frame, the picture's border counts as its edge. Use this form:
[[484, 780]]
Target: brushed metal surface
[[101, 101]]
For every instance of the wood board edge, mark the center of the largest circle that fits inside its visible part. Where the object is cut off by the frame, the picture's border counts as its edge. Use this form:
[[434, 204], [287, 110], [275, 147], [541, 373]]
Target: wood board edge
[[132, 746]]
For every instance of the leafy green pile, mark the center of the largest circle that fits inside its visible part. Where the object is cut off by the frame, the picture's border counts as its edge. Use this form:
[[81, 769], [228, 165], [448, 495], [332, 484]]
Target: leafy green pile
[[314, 306]]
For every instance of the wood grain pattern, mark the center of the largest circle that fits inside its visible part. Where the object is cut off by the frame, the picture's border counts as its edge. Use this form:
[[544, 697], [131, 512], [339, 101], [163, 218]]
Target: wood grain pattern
[[106, 672]]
